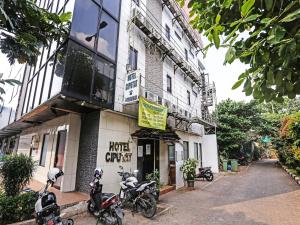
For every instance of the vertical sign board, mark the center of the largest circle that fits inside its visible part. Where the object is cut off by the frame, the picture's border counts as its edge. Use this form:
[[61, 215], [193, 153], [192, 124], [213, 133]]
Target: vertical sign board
[[152, 115], [132, 87]]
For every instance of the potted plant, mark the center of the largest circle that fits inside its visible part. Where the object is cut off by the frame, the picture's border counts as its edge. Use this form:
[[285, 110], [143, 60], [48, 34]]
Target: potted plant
[[154, 176], [189, 171]]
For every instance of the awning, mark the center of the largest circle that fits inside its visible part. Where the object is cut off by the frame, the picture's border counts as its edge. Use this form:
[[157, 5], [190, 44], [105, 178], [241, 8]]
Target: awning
[[166, 135]]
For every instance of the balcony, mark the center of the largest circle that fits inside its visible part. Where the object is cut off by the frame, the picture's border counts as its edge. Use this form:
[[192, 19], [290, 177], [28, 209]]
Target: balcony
[[180, 18], [152, 31]]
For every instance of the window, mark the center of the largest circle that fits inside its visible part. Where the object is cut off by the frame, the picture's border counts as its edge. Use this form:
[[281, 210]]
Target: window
[[186, 54], [185, 150], [108, 35], [169, 84], [44, 150], [200, 154], [178, 36], [133, 57], [113, 7], [168, 32], [137, 2], [188, 97], [171, 153], [84, 24], [196, 151]]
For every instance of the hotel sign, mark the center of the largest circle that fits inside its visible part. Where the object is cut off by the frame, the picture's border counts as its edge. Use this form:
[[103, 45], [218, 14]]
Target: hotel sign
[[118, 152], [152, 115], [132, 87]]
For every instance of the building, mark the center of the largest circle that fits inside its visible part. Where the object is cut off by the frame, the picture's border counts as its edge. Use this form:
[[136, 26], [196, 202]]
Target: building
[[78, 106]]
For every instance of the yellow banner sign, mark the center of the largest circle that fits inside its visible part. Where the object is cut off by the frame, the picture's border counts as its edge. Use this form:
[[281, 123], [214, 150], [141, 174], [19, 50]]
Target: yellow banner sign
[[152, 115]]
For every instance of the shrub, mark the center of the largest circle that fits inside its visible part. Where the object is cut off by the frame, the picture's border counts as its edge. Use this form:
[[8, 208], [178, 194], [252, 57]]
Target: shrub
[[16, 171], [154, 177], [17, 208], [188, 169]]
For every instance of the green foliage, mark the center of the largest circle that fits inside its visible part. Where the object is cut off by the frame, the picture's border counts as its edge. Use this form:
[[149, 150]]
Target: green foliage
[[264, 34], [188, 169], [27, 28], [236, 126], [7, 81], [17, 208], [154, 176], [16, 171]]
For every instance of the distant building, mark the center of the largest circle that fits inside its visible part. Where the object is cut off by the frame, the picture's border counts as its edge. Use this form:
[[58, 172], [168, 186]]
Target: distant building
[[79, 103]]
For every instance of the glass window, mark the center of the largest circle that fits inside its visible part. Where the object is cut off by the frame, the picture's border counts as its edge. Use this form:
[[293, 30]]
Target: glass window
[[188, 97], [47, 81], [108, 34], [186, 54], [133, 57], [78, 72], [58, 74], [112, 6], [169, 84], [168, 32], [44, 150], [85, 21], [171, 152], [103, 89], [185, 150], [196, 155], [39, 87], [200, 155]]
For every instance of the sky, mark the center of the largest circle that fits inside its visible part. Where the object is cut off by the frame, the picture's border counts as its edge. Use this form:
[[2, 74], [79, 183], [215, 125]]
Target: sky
[[224, 76]]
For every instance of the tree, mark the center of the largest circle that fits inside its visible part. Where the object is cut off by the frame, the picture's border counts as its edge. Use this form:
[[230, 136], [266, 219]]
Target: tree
[[25, 28], [237, 123], [265, 34], [7, 81]]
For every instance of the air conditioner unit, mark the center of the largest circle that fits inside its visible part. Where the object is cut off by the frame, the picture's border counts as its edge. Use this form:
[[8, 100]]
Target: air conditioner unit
[[150, 96]]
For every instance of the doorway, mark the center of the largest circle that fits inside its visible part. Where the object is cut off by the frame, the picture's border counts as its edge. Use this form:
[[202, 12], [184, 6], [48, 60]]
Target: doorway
[[147, 157], [172, 164], [60, 154]]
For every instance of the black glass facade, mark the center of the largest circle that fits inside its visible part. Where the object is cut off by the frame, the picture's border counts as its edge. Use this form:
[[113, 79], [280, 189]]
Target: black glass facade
[[84, 66]]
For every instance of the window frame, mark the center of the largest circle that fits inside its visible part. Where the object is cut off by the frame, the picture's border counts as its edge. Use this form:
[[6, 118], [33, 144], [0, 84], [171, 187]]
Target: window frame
[[168, 32], [136, 52], [169, 88], [188, 97], [187, 155], [200, 155], [43, 154], [196, 150]]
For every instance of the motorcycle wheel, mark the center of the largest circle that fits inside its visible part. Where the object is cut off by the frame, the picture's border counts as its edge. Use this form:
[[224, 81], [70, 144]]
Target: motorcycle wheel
[[209, 176], [150, 210], [68, 222], [91, 208]]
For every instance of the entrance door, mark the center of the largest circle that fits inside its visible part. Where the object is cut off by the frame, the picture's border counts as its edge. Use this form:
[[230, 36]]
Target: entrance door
[[172, 164], [60, 154], [147, 157]]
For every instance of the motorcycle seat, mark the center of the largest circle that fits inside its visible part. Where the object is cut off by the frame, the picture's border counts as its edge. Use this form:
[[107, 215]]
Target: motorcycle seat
[[106, 196], [204, 168]]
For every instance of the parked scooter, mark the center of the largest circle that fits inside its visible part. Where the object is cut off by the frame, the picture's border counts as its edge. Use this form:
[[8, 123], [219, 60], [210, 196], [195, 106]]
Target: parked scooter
[[137, 196], [205, 173], [46, 208], [105, 206]]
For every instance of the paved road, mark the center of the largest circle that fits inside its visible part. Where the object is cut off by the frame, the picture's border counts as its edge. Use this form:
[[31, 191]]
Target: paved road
[[262, 195]]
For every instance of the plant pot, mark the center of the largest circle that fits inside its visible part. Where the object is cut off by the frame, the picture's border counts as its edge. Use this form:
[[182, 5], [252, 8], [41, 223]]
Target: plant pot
[[190, 183]]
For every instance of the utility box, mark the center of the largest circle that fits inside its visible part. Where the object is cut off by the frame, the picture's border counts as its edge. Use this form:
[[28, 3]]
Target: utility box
[[234, 165]]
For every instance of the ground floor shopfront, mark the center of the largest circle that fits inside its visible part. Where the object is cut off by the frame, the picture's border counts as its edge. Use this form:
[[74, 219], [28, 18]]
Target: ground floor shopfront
[[80, 143]]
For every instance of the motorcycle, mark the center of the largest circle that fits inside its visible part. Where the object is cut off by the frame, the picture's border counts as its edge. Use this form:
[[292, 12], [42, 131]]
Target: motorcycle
[[105, 206], [46, 209], [137, 196], [205, 173]]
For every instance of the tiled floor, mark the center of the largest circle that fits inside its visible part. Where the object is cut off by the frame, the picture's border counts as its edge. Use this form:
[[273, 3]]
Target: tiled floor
[[63, 198]]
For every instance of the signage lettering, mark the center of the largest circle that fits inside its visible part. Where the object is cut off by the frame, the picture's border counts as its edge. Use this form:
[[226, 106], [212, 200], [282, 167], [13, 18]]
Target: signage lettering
[[118, 152]]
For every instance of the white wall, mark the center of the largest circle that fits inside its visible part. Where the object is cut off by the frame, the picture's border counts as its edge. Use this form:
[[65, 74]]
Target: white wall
[[163, 163], [71, 123], [117, 128], [210, 152]]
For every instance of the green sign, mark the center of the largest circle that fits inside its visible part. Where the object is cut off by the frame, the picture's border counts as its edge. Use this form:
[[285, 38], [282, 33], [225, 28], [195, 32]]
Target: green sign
[[152, 115]]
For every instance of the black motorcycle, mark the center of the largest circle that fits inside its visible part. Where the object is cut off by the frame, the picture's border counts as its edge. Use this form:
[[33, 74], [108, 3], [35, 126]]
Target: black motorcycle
[[137, 196], [105, 206], [205, 173]]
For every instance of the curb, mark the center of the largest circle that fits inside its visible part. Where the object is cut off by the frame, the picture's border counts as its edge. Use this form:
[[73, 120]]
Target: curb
[[297, 179]]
